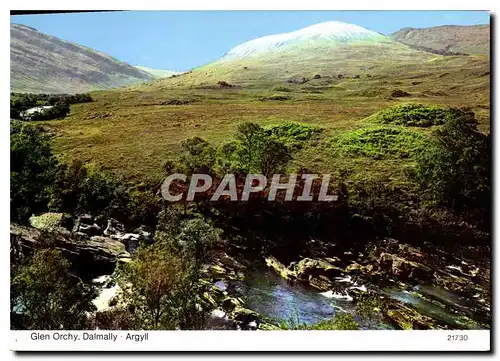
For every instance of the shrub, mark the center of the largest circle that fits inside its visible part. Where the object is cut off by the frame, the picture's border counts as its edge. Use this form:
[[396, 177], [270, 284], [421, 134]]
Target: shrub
[[455, 169], [379, 143], [32, 170], [58, 111], [197, 156], [416, 115], [282, 89], [292, 134], [340, 321], [160, 288], [44, 296]]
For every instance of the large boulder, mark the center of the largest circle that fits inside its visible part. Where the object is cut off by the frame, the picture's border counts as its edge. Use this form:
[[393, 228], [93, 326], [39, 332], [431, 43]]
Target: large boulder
[[85, 226], [280, 268], [404, 269], [94, 256], [47, 221], [114, 229], [309, 268], [406, 318]]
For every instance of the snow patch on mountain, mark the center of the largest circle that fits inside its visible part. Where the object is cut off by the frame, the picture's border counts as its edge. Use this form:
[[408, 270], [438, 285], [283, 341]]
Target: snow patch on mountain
[[334, 31]]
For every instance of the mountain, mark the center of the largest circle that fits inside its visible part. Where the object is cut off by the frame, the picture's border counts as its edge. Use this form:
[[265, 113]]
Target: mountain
[[41, 63], [327, 49], [158, 73], [331, 33], [474, 39]]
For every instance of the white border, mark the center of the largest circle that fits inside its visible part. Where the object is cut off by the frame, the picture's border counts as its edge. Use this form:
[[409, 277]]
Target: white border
[[424, 340], [390, 338]]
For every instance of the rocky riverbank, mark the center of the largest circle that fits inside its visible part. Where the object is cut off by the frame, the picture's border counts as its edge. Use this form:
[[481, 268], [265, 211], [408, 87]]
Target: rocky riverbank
[[417, 289], [408, 286]]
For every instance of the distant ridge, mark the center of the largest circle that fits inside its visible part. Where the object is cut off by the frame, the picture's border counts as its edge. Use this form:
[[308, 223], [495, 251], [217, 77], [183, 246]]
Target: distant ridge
[[41, 63], [470, 39]]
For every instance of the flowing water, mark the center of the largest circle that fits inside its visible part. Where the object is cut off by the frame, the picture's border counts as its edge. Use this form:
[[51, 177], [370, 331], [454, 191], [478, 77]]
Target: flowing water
[[268, 294], [272, 296]]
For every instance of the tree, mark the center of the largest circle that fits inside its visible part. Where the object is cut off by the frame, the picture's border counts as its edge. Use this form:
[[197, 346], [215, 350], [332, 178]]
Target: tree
[[198, 156], [160, 287], [259, 152], [455, 170], [32, 171], [162, 283], [44, 296]]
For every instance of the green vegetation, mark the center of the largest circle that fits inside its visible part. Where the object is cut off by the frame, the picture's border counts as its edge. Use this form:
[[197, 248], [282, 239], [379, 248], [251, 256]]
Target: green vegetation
[[20, 102], [33, 167], [162, 283], [379, 143], [416, 184], [340, 321], [292, 134], [416, 115], [39, 183], [44, 296], [455, 170]]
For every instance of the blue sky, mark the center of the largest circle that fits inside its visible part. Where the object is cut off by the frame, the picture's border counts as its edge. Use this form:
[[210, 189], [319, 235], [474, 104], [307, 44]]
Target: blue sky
[[180, 40]]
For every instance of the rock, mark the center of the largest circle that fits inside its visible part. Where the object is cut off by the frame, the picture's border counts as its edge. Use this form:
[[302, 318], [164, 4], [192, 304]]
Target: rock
[[215, 271], [230, 303], [114, 229], [356, 268], [97, 255], [46, 221], [143, 234], [308, 267], [356, 76], [244, 318], [406, 318], [404, 269], [317, 76], [268, 327], [399, 94], [280, 268], [89, 229]]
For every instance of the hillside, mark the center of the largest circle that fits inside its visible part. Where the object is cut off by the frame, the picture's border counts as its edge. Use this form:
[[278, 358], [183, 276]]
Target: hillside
[[158, 73], [326, 49], [300, 82], [452, 38], [41, 63]]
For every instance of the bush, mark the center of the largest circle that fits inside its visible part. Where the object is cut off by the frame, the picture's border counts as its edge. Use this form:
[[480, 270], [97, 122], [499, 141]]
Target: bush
[[44, 296], [282, 89], [160, 288], [417, 115], [340, 321], [379, 143], [32, 170], [455, 169], [58, 111], [292, 134], [197, 156]]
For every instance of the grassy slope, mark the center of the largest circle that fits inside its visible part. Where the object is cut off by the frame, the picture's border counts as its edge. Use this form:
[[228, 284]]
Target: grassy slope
[[131, 132], [158, 73], [473, 39], [41, 63]]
